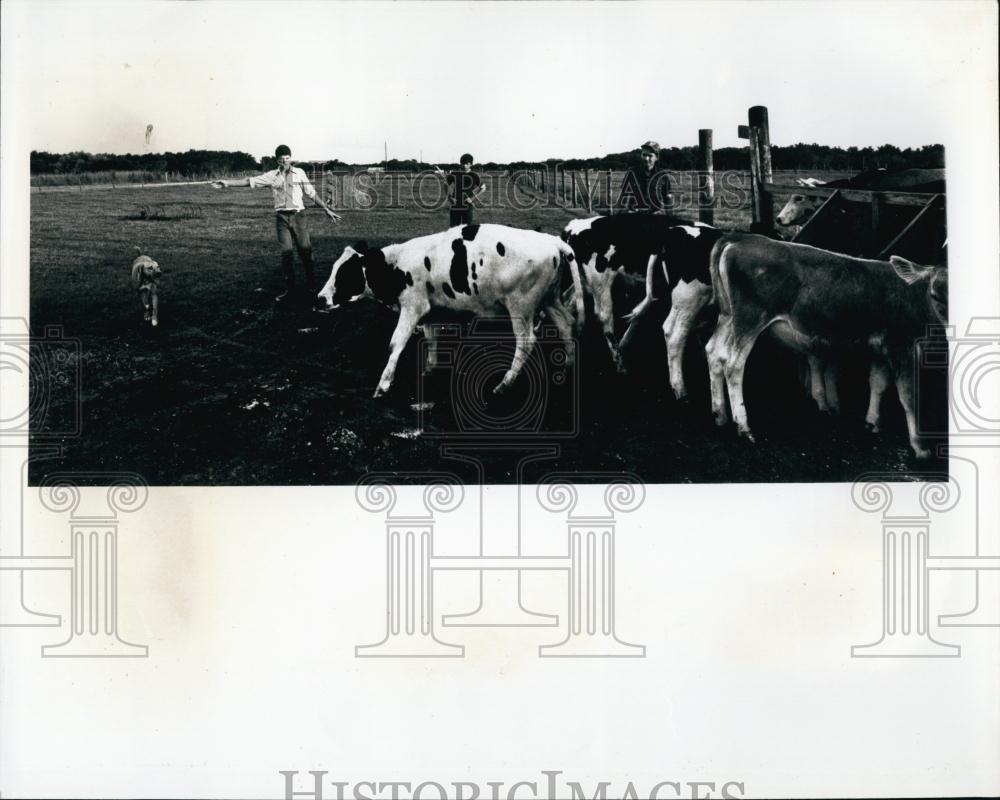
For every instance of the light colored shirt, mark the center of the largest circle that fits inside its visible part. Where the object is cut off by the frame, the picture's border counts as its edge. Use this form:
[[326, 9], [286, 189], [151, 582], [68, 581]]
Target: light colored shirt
[[287, 187]]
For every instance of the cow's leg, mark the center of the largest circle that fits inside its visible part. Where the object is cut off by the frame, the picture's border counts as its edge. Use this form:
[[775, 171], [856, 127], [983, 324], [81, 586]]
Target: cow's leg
[[687, 299], [817, 366], [904, 387], [604, 312], [155, 301], [878, 382], [524, 335], [432, 352], [404, 329], [735, 367], [144, 297], [830, 386], [717, 353]]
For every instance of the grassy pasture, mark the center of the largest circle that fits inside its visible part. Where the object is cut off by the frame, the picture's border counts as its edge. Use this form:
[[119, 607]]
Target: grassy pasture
[[232, 389]]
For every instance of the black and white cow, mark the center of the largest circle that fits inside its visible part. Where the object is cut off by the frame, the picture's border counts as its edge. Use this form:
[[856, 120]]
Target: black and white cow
[[817, 302], [626, 244], [484, 269]]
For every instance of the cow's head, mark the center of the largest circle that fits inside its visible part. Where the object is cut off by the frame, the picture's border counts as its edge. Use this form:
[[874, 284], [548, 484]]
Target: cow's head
[[937, 284], [347, 281], [797, 210]]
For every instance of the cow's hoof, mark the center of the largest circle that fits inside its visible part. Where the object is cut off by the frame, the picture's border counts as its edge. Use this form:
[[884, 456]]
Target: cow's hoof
[[922, 453], [720, 419], [500, 388], [680, 395], [747, 436], [156, 322], [379, 392], [873, 427]]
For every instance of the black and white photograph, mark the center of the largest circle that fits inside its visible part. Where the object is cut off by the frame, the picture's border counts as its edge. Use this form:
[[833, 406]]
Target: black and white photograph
[[382, 378]]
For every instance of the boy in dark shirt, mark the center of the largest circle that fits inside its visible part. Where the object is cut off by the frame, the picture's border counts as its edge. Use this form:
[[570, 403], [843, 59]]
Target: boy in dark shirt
[[464, 186], [646, 188]]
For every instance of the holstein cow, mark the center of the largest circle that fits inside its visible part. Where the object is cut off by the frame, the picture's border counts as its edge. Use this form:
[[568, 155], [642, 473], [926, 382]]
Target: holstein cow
[[484, 269], [816, 302], [626, 244]]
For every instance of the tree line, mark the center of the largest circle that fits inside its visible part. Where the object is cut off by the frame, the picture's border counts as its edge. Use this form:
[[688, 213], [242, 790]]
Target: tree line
[[783, 157]]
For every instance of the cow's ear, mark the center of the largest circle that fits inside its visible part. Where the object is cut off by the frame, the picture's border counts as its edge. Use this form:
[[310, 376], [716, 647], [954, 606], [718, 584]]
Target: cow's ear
[[361, 246], [907, 270]]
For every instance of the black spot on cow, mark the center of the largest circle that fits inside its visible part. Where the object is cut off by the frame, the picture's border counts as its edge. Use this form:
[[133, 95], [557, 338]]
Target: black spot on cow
[[500, 248], [475, 287], [469, 232], [430, 288], [349, 281], [427, 263], [448, 290], [460, 267], [386, 281], [686, 255], [634, 236], [555, 262]]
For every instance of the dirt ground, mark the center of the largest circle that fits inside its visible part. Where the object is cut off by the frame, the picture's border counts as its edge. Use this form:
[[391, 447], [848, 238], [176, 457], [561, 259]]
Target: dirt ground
[[232, 389]]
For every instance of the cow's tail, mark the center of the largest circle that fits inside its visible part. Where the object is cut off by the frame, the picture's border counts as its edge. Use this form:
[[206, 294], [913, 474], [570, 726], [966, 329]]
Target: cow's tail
[[720, 281], [569, 262]]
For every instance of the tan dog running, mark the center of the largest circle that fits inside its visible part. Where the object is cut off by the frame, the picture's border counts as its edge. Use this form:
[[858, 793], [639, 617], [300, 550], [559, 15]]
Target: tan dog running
[[145, 279]]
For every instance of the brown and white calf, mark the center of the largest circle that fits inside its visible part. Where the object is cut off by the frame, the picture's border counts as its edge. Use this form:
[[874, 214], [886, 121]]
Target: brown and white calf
[[484, 269], [145, 279], [817, 302]]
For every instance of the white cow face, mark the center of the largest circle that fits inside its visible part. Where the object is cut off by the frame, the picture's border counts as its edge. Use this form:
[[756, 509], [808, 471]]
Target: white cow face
[[797, 210], [347, 280]]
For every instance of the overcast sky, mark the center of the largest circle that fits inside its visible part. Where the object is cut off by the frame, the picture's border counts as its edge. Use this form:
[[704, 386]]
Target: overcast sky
[[505, 81]]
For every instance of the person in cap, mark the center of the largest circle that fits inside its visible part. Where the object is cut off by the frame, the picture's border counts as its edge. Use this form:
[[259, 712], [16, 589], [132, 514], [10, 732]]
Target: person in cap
[[288, 184], [646, 188], [464, 185]]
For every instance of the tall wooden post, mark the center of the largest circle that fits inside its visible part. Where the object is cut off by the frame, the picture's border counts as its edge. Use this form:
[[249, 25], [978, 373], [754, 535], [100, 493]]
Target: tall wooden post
[[590, 194], [706, 178], [760, 150]]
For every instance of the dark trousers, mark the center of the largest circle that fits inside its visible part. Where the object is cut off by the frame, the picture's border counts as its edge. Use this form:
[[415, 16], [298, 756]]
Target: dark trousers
[[461, 216], [293, 234]]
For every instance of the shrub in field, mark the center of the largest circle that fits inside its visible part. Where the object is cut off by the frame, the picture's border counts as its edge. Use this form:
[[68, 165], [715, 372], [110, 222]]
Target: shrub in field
[[150, 212]]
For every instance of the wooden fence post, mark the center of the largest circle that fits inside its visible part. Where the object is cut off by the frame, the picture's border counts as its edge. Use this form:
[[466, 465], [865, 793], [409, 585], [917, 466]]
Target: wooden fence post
[[706, 176], [572, 186], [608, 190], [590, 194], [760, 144]]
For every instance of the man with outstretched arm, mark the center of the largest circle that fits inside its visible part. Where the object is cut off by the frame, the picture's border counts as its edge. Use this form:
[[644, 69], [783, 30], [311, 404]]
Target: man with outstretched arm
[[288, 184]]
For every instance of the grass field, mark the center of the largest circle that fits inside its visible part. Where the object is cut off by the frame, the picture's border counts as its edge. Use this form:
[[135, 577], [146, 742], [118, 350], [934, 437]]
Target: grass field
[[232, 389]]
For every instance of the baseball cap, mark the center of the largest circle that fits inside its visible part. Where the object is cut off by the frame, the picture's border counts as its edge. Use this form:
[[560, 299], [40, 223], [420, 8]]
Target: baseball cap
[[650, 146]]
